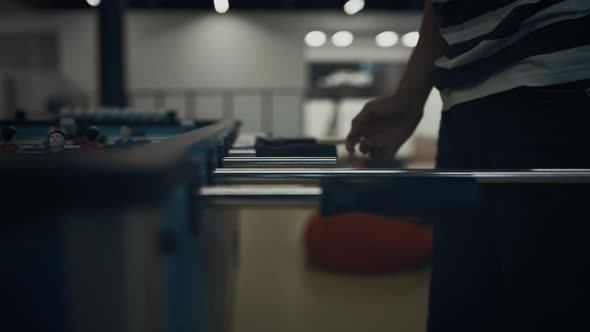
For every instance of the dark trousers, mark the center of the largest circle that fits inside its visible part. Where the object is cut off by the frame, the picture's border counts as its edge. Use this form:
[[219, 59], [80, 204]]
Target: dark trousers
[[521, 261]]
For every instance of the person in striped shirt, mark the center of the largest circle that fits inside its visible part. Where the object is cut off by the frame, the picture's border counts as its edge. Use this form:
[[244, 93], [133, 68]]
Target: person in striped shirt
[[514, 76]]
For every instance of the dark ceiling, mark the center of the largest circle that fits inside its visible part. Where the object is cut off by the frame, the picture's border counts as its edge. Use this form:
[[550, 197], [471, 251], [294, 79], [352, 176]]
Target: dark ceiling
[[390, 5]]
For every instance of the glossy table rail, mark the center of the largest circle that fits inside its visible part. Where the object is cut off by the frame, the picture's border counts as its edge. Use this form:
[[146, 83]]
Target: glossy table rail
[[231, 175], [240, 196], [266, 162]]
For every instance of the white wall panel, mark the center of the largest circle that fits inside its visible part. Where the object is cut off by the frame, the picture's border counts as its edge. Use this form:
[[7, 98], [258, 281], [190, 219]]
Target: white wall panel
[[248, 108], [209, 107], [287, 115]]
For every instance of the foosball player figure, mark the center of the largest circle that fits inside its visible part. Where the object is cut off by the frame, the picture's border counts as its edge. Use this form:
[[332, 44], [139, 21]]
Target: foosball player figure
[[125, 139], [56, 141], [80, 137], [92, 140], [9, 140], [103, 139], [45, 143]]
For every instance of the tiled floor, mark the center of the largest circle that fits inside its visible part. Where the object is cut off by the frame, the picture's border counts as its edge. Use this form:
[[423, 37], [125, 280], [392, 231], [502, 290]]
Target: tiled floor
[[277, 291]]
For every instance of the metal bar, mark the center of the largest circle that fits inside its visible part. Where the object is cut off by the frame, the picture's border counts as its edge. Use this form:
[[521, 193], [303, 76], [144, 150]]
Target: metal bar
[[508, 176], [333, 141], [272, 192], [242, 152], [260, 195], [248, 162]]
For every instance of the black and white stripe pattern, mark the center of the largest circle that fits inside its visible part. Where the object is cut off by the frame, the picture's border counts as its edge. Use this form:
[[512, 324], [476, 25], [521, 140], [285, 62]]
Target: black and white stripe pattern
[[493, 46]]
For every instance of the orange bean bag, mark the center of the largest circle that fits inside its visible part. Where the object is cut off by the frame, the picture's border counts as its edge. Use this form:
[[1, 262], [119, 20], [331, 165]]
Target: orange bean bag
[[364, 243]]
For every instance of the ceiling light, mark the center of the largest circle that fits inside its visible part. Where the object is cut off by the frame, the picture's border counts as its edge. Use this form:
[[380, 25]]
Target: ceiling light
[[221, 6], [93, 3], [387, 39], [410, 39], [342, 39], [315, 39], [354, 6]]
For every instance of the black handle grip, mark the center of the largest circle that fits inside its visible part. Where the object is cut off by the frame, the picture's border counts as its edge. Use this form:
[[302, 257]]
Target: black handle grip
[[260, 141], [297, 150], [408, 197]]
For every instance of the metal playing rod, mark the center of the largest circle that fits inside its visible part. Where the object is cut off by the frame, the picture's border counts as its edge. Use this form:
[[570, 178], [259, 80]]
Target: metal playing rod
[[251, 145], [261, 195], [242, 152], [512, 176], [249, 162]]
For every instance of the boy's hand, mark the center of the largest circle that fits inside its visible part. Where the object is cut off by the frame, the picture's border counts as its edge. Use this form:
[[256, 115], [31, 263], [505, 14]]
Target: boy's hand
[[383, 126]]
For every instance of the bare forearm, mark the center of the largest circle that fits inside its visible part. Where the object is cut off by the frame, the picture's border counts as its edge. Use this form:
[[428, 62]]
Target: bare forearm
[[417, 81]]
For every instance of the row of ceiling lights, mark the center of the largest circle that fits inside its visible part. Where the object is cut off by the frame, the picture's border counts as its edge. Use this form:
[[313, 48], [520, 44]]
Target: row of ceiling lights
[[339, 39], [351, 7], [346, 38], [221, 6]]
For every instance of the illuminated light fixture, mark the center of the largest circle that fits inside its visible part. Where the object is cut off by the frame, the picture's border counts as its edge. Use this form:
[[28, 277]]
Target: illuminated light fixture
[[352, 7], [315, 39], [93, 3], [342, 39], [221, 6], [387, 39], [410, 39]]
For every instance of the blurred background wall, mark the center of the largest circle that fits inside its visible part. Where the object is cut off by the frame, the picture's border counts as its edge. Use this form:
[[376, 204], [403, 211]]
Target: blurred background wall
[[201, 64]]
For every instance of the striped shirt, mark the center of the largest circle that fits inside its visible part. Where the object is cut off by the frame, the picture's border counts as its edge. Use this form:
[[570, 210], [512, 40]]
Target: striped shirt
[[490, 46]]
